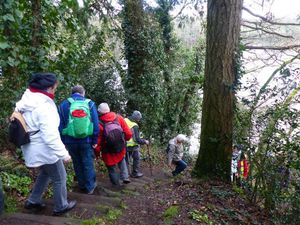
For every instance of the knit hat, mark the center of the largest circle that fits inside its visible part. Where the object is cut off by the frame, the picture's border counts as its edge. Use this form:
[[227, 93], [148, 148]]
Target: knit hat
[[181, 138], [136, 115], [42, 81], [103, 108]]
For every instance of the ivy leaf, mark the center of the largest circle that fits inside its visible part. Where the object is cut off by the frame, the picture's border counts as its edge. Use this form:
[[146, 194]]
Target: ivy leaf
[[4, 45], [9, 17], [13, 62]]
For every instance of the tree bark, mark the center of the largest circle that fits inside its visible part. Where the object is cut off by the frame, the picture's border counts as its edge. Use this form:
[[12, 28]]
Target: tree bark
[[134, 48], [223, 30], [36, 39]]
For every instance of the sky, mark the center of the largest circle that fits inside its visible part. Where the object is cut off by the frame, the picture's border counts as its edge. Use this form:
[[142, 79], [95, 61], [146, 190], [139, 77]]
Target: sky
[[280, 8], [288, 9]]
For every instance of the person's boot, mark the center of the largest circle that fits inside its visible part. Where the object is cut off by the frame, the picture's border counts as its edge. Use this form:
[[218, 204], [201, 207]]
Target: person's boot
[[34, 206], [70, 206], [137, 175]]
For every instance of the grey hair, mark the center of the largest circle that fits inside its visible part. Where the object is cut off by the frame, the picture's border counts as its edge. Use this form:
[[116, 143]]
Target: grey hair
[[78, 89]]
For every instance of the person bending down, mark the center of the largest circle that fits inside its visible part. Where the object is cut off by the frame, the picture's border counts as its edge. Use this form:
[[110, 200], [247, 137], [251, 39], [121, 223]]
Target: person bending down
[[175, 153]]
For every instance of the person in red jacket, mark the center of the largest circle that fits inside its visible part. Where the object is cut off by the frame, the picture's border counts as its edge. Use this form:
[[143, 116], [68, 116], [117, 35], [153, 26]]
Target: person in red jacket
[[243, 169], [113, 160]]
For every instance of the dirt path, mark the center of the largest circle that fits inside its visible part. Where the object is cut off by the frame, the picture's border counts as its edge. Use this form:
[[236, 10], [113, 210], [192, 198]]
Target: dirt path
[[151, 200], [103, 207]]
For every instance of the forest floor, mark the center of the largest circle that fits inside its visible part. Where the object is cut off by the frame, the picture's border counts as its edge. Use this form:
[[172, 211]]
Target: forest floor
[[154, 199], [183, 200]]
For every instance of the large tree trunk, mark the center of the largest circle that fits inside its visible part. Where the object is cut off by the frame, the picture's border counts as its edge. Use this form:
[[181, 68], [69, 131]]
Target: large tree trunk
[[223, 30], [134, 48]]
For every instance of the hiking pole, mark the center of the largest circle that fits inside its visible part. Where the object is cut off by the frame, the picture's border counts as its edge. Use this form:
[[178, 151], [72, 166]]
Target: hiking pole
[[150, 159]]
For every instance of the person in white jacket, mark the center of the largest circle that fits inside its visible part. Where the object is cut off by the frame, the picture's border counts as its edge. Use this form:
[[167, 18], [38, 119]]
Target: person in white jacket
[[175, 154], [45, 150]]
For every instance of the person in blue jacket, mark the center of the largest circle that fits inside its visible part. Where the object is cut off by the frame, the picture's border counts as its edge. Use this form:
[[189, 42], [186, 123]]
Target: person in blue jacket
[[81, 149]]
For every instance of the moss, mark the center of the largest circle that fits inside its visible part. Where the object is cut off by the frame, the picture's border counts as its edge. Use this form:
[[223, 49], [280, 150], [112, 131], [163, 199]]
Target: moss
[[130, 192], [171, 212], [113, 214], [93, 221]]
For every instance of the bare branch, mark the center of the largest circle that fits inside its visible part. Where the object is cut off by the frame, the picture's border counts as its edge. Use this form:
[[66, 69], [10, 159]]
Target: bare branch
[[279, 48], [269, 21], [186, 3], [268, 32]]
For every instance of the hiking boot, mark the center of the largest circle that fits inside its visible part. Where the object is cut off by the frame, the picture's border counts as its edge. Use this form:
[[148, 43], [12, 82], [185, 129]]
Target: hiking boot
[[137, 175], [70, 206], [126, 181], [34, 206], [92, 191]]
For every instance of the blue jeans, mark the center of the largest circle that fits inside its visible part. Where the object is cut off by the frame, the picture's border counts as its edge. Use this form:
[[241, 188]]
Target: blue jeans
[[83, 162], [57, 173], [114, 176], [180, 166]]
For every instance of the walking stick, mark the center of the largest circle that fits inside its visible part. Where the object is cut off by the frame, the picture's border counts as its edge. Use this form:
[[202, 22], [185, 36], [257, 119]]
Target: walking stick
[[150, 159]]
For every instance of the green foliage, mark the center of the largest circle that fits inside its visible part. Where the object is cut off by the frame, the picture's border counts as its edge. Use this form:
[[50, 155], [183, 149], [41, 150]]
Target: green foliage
[[171, 212], [10, 204], [270, 137], [161, 76], [93, 221], [200, 217], [12, 182], [70, 176], [113, 214]]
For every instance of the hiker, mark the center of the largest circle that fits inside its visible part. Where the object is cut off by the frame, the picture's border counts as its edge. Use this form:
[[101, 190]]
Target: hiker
[[79, 131], [175, 153], [133, 145], [242, 169], [234, 163], [45, 150], [114, 133]]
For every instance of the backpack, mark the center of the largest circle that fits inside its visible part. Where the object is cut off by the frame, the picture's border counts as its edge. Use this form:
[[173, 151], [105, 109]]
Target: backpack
[[114, 140], [79, 123], [17, 130]]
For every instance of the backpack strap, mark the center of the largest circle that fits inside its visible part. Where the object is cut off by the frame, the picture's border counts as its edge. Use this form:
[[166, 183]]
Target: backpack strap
[[71, 100]]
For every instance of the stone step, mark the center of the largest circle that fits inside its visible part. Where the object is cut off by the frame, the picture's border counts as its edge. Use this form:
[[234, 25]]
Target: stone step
[[33, 219], [81, 210], [95, 198]]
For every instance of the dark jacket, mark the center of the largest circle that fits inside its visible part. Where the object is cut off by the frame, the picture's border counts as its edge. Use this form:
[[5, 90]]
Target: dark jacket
[[64, 110]]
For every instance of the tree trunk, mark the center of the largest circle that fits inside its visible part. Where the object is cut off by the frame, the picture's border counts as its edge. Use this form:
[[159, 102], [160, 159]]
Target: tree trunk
[[223, 30], [36, 39], [134, 42]]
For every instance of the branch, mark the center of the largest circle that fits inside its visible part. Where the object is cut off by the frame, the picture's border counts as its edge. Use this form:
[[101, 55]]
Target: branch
[[268, 32], [263, 88], [180, 11], [269, 21], [279, 48]]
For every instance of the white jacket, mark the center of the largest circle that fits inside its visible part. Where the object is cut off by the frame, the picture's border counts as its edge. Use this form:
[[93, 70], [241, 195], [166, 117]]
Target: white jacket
[[176, 150], [40, 113]]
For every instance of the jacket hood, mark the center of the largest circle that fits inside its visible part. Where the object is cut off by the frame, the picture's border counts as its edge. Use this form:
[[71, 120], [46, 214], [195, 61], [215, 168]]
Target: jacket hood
[[108, 117], [31, 101]]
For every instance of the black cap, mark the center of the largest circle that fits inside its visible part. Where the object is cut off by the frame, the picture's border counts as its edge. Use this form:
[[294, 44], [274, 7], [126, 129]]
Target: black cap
[[42, 81]]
